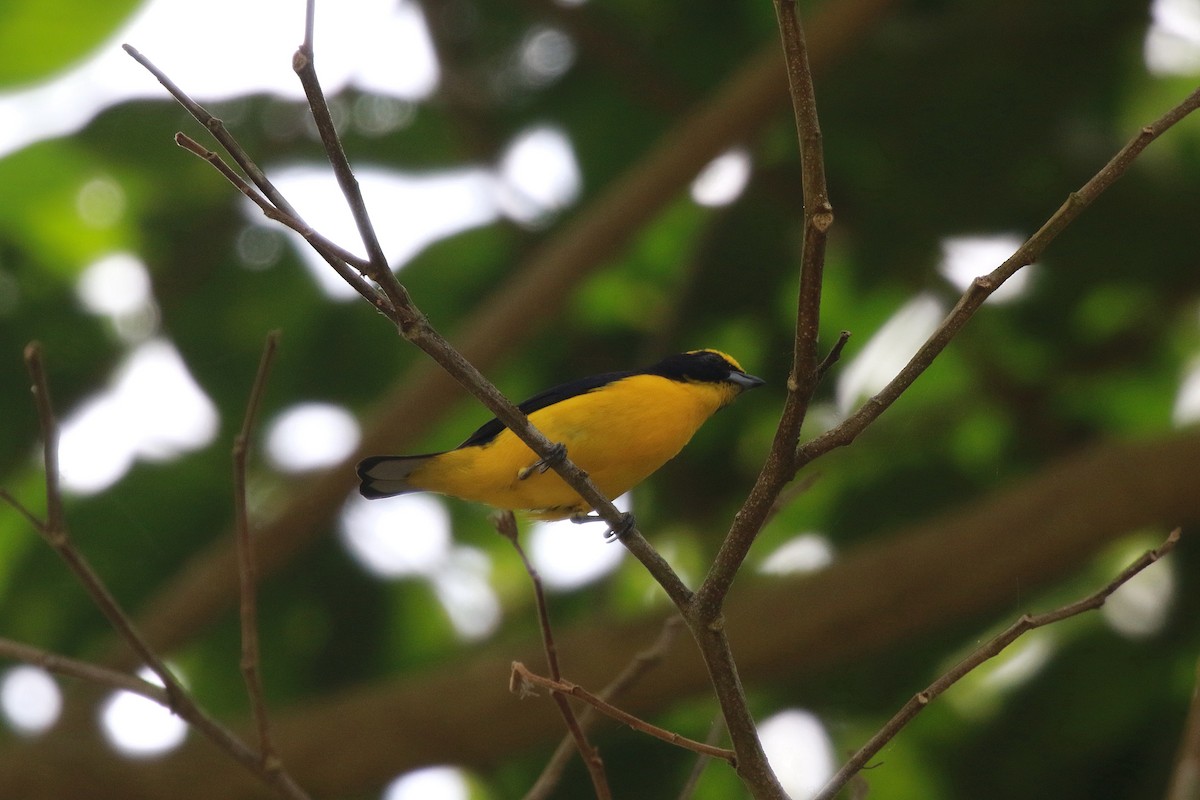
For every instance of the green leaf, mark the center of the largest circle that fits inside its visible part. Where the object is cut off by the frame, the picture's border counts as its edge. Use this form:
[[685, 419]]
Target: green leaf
[[41, 37]]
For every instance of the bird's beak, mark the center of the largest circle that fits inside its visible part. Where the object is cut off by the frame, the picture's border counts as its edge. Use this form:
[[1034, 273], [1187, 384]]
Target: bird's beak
[[744, 381]]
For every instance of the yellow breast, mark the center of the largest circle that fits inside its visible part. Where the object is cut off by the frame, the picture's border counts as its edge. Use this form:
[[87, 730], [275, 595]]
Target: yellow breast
[[618, 434]]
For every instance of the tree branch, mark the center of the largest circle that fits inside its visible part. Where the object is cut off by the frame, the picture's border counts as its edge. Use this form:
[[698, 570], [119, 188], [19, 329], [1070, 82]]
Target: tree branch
[[506, 524], [989, 650], [522, 679], [641, 663], [83, 670], [247, 573], [283, 210], [704, 613]]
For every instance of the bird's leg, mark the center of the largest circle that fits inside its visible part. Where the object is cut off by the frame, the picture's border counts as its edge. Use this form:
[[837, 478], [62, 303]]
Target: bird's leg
[[614, 532], [557, 453]]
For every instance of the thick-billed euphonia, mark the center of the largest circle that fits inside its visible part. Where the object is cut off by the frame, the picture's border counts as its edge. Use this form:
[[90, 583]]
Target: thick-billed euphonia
[[619, 427]]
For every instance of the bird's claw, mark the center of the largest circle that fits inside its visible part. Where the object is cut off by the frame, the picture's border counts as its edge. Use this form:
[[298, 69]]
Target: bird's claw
[[615, 532], [557, 453]]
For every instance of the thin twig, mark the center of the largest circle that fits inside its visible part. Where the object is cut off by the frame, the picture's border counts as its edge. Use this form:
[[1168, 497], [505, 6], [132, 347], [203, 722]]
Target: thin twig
[[377, 267], [506, 524], [20, 508], [247, 573], [638, 666], [56, 534], [217, 128], [522, 679], [49, 426], [270, 211], [239, 155], [833, 355], [83, 670], [987, 651]]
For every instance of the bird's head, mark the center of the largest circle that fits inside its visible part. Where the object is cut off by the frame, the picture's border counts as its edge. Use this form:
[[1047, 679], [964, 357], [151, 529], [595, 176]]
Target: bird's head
[[706, 366]]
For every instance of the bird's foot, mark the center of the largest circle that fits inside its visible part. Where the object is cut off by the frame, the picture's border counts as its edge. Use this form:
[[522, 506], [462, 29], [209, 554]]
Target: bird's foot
[[557, 453], [615, 532]]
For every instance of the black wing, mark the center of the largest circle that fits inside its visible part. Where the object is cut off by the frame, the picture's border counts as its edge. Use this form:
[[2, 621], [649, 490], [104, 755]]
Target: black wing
[[490, 429]]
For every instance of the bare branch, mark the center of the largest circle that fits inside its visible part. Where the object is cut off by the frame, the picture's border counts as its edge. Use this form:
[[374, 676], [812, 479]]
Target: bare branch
[[641, 663], [833, 355], [49, 426], [83, 670], [779, 468], [989, 650], [506, 524], [217, 128], [276, 199], [247, 573], [55, 532], [522, 680], [377, 266], [270, 211], [20, 508]]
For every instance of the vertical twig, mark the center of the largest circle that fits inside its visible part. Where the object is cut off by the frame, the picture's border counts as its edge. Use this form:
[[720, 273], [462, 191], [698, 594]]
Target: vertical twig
[[56, 534], [506, 525], [806, 368], [704, 613], [304, 65], [247, 574]]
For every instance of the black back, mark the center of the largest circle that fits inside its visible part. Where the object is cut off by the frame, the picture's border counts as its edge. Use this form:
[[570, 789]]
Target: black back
[[491, 429]]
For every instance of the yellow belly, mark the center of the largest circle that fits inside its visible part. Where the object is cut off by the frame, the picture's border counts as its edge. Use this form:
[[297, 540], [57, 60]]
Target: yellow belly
[[619, 435]]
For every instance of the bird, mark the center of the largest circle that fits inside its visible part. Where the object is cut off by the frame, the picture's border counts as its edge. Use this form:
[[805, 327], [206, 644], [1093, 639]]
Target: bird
[[618, 427]]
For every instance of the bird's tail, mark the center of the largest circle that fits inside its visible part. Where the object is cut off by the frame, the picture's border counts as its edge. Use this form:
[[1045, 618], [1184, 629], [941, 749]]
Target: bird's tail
[[387, 476]]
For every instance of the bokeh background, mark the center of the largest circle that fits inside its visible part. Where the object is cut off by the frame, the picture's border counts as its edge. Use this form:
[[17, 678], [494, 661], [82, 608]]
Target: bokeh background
[[570, 187]]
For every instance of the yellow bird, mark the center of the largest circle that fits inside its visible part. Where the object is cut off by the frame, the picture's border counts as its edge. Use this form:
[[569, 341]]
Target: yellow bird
[[619, 427]]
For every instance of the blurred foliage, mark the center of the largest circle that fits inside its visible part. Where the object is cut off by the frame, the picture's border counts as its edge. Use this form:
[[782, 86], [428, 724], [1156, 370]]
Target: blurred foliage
[[37, 40], [945, 119]]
